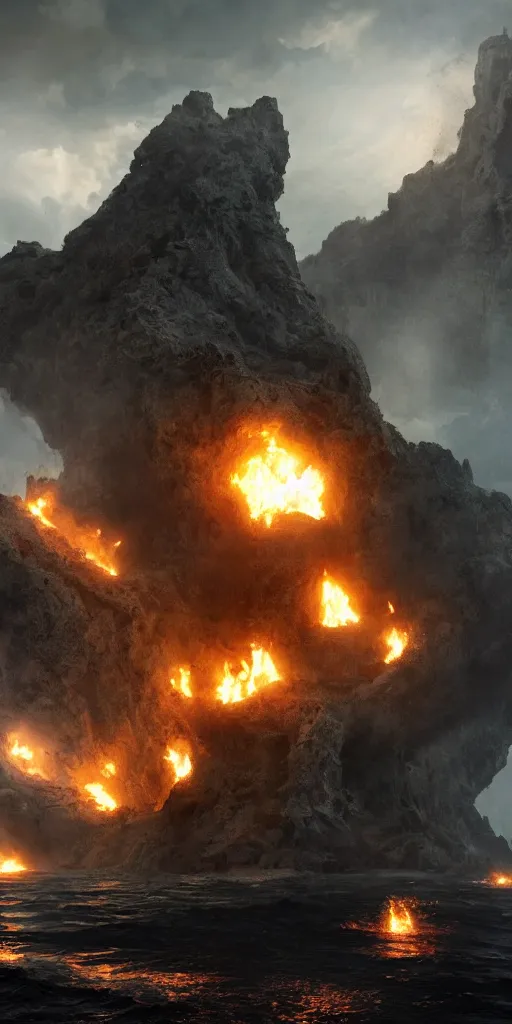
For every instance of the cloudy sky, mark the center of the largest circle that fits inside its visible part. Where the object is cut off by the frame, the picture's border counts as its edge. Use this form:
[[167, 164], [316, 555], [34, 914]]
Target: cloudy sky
[[369, 90]]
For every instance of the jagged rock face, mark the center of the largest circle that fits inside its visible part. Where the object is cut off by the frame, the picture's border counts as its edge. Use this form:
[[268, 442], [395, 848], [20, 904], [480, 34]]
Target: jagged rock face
[[172, 320], [431, 275]]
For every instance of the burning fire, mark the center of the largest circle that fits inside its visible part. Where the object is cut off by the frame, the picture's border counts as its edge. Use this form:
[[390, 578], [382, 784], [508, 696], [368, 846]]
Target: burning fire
[[261, 672], [11, 866], [24, 757], [183, 683], [180, 761], [108, 770], [104, 801], [398, 919], [504, 880], [273, 482], [396, 641], [90, 542], [336, 610]]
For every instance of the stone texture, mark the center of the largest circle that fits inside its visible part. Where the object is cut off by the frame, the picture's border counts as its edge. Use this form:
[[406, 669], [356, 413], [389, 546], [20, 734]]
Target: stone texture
[[172, 320]]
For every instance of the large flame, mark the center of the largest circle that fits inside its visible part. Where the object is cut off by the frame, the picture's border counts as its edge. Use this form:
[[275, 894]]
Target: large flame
[[11, 866], [273, 482], [180, 760], [90, 542], [336, 610], [249, 679], [398, 919], [103, 800], [396, 641], [502, 880], [182, 684]]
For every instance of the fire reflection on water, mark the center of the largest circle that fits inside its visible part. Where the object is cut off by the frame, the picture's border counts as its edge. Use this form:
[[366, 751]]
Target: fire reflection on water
[[103, 971]]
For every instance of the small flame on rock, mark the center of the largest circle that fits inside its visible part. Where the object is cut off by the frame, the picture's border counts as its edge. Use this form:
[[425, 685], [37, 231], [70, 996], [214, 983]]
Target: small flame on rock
[[398, 919], [336, 610], [24, 757], [90, 542], [261, 672], [396, 641], [103, 800], [273, 482], [11, 866], [182, 684], [108, 770], [181, 762]]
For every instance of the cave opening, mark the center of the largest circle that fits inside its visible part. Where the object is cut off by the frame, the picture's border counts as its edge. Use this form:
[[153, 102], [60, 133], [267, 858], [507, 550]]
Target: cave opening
[[494, 802], [23, 450]]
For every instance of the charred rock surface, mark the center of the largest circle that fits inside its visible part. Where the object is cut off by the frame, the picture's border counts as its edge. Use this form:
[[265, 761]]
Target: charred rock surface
[[432, 273], [172, 325]]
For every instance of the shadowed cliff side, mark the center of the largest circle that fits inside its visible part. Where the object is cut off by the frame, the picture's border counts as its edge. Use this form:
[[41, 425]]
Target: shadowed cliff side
[[172, 328]]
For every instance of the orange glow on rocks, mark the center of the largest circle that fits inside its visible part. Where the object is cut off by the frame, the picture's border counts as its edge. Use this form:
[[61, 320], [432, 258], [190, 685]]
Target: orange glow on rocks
[[23, 754], [274, 482], [182, 682], [89, 542], [335, 605], [396, 641], [249, 679]]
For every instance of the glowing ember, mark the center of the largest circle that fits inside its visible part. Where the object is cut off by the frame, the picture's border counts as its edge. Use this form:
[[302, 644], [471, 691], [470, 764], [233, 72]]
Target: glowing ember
[[90, 542], [183, 683], [336, 608], [180, 761], [273, 482], [399, 919], [261, 672], [104, 801], [503, 880], [396, 640], [108, 770], [391, 608], [11, 866]]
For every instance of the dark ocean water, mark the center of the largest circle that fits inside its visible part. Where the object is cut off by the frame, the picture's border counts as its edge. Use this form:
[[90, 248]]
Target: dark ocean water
[[77, 949]]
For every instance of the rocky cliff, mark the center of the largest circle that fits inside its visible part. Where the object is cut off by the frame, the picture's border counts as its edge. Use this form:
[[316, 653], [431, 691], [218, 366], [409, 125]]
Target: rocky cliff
[[161, 352], [425, 288]]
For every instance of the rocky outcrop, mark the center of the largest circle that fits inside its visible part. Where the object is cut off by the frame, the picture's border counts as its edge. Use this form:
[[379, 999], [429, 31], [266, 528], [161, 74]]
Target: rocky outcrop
[[173, 325], [425, 288]]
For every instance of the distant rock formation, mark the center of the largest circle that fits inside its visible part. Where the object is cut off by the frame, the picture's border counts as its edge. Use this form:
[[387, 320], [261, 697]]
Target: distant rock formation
[[172, 326], [425, 289]]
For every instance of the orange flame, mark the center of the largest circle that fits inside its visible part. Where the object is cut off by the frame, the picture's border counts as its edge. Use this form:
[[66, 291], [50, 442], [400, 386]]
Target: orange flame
[[11, 866], [90, 542], [503, 880], [24, 757], [261, 672], [273, 482], [183, 684], [336, 608], [180, 761], [108, 770], [391, 607], [399, 920], [104, 801], [396, 640]]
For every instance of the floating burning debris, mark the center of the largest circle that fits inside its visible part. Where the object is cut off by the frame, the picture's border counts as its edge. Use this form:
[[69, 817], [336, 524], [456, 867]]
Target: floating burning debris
[[335, 605], [182, 683], [102, 799], [249, 679], [89, 542], [396, 641], [398, 919], [109, 770], [505, 881], [273, 482], [180, 759], [11, 866]]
